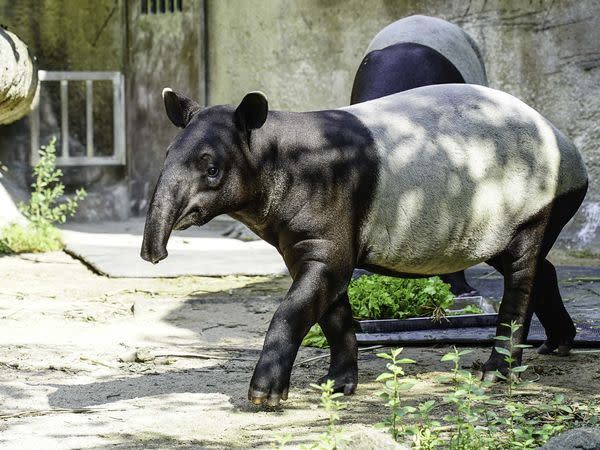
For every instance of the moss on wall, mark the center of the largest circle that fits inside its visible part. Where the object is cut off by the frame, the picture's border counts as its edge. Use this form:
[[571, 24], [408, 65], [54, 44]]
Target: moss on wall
[[71, 35], [68, 34]]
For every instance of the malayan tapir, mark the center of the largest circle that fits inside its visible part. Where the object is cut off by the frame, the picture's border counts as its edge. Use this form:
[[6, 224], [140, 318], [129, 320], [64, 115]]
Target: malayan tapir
[[431, 180], [420, 51]]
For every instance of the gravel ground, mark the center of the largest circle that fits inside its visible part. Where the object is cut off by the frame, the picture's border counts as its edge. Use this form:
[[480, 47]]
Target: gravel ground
[[68, 379]]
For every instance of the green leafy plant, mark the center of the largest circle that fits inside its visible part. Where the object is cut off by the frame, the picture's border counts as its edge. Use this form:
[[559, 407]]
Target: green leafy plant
[[332, 438], [475, 415], [15, 238], [315, 338], [469, 309], [470, 418], [393, 385], [43, 209], [513, 376], [378, 297], [382, 297]]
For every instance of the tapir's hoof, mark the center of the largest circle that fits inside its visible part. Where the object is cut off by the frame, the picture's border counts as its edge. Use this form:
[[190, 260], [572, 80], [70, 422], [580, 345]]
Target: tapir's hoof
[[546, 348], [491, 377], [345, 384], [561, 349], [270, 399]]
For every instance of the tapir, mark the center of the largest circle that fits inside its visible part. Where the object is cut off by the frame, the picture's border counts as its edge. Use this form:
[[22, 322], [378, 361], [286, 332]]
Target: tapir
[[417, 51], [431, 180], [420, 51]]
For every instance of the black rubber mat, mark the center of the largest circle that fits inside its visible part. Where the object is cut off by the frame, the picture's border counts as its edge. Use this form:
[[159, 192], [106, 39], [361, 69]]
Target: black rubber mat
[[588, 335]]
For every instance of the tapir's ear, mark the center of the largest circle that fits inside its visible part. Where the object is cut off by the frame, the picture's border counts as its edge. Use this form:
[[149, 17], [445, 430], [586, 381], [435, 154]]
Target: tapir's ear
[[252, 112], [180, 108]]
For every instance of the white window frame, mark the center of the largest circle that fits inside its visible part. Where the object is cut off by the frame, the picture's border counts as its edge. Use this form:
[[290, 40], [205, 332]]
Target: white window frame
[[118, 157]]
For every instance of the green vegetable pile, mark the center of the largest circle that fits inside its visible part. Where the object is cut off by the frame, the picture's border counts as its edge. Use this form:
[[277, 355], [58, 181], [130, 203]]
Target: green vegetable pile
[[381, 297]]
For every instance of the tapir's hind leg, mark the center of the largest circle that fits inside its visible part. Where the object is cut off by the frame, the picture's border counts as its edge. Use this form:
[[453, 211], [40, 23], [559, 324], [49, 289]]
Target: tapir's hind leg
[[530, 281], [337, 326], [549, 307], [548, 304]]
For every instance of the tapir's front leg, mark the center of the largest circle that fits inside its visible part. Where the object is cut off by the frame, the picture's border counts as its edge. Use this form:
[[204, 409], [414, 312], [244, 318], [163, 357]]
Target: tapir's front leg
[[317, 285]]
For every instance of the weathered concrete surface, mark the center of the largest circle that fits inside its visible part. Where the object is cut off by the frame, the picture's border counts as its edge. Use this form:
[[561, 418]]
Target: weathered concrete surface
[[118, 256], [18, 78], [113, 249], [304, 55], [164, 50]]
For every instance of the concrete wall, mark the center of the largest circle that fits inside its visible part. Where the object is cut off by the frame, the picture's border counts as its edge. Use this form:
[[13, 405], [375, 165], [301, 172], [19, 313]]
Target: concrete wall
[[303, 54], [153, 50], [163, 50], [70, 35]]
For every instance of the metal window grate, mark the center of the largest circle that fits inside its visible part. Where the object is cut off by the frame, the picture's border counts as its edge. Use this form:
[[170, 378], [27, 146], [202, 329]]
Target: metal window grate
[[160, 6], [90, 158]]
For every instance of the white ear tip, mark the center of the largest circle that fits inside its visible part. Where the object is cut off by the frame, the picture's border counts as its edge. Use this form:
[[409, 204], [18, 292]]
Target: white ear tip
[[259, 93], [165, 90]]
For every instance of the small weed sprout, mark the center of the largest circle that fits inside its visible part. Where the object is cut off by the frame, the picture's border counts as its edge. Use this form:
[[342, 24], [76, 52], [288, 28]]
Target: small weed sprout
[[333, 438], [513, 372], [469, 399], [43, 209], [281, 441], [476, 420], [394, 384]]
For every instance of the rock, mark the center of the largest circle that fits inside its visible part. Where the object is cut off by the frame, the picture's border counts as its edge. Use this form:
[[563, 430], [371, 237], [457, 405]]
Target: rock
[[578, 438], [127, 357], [144, 355], [18, 78], [365, 438]]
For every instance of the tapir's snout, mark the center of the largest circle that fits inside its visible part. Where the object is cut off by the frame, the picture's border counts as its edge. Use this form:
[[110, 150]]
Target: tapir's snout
[[154, 245], [160, 219], [153, 254]]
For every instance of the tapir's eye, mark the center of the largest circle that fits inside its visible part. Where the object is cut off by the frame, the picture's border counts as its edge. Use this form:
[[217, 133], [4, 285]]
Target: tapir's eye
[[212, 171]]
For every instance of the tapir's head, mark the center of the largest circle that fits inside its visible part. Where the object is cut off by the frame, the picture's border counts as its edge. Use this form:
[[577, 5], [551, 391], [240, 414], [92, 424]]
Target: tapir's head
[[206, 170]]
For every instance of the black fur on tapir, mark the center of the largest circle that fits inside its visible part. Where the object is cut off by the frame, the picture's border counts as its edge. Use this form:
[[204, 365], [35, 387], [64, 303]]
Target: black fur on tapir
[[431, 180], [409, 53]]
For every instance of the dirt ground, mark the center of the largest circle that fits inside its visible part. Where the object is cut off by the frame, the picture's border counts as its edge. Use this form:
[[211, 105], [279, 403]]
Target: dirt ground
[[67, 379]]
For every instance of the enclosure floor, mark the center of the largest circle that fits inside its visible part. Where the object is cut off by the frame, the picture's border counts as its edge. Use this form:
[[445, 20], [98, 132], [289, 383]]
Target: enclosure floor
[[113, 249], [63, 329]]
